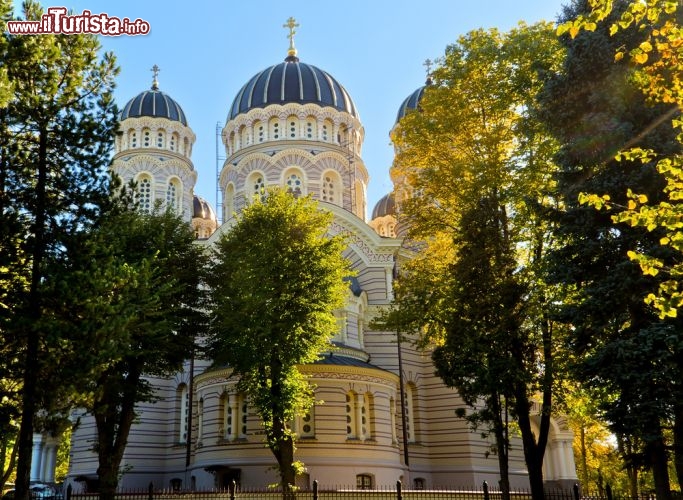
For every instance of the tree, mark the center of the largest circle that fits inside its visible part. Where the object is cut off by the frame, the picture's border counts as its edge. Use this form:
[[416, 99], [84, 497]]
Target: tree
[[276, 280], [55, 138], [595, 108], [139, 299], [482, 164], [657, 59]]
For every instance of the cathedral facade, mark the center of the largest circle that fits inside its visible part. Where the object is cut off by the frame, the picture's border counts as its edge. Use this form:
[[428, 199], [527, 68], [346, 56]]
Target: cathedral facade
[[385, 416]]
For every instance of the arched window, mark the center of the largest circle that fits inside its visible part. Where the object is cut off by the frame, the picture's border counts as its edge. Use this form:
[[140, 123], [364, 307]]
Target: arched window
[[256, 187], [200, 420], [274, 128], [243, 415], [183, 397], [331, 188], [259, 131], [366, 417], [146, 138], [292, 126], [173, 143], [409, 396], [176, 484], [311, 128], [343, 136], [364, 481], [133, 138], [392, 420], [233, 142], [173, 195], [244, 136], [294, 183], [235, 414], [360, 326], [229, 201], [351, 416], [304, 425], [144, 193], [342, 326], [359, 199], [160, 139], [328, 127]]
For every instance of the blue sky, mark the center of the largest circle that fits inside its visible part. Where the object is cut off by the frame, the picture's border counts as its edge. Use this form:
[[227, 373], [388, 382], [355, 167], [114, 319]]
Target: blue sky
[[376, 48]]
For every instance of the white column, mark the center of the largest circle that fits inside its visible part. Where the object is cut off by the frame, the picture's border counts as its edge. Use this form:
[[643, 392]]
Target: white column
[[49, 462], [570, 471], [36, 457], [562, 472]]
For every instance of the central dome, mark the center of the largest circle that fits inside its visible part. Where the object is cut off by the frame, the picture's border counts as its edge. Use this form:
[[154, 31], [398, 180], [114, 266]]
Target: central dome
[[292, 81]]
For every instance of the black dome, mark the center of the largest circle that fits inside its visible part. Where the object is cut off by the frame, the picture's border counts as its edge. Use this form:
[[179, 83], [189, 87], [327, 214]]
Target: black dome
[[291, 81], [410, 103], [385, 206], [153, 103]]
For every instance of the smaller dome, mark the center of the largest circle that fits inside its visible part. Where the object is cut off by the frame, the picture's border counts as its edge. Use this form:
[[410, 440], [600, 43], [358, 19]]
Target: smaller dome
[[201, 209], [411, 102], [153, 103], [385, 206]]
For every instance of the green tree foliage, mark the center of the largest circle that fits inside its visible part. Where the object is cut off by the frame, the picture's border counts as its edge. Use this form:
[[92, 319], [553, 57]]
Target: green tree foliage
[[596, 108], [480, 165], [137, 282], [276, 281], [56, 128]]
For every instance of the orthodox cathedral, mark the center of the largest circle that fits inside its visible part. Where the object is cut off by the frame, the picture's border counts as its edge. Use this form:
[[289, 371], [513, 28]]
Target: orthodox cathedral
[[385, 416]]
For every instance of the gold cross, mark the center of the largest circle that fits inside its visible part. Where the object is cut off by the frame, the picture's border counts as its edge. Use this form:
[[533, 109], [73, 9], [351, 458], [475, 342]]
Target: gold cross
[[155, 71], [428, 64], [291, 24]]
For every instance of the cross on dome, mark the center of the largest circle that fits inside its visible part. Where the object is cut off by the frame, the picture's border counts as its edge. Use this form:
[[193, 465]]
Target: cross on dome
[[291, 24], [428, 65], [155, 71]]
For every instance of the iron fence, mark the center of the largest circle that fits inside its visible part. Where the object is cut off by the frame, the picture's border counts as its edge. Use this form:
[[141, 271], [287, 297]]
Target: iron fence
[[318, 492]]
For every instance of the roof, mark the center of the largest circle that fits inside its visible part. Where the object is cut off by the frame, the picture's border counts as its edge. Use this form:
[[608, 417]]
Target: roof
[[155, 104], [292, 81]]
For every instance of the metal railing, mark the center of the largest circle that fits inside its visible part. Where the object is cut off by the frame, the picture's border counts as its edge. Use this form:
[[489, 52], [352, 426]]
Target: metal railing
[[317, 492]]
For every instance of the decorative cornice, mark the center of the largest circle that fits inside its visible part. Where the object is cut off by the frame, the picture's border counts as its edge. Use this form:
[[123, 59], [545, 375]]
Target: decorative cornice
[[155, 123], [224, 376]]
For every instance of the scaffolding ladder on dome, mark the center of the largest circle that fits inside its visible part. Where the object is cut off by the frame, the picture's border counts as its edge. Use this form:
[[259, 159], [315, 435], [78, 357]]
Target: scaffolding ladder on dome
[[220, 159]]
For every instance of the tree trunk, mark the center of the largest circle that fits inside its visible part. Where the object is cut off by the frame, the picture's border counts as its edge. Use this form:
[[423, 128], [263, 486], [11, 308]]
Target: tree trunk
[[502, 446], [282, 446], [657, 458], [30, 365], [584, 459], [533, 451], [534, 446], [625, 447], [114, 416], [108, 475], [12, 461], [678, 442]]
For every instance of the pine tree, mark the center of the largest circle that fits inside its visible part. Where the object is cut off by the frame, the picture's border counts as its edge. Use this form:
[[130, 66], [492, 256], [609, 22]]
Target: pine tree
[[55, 136]]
